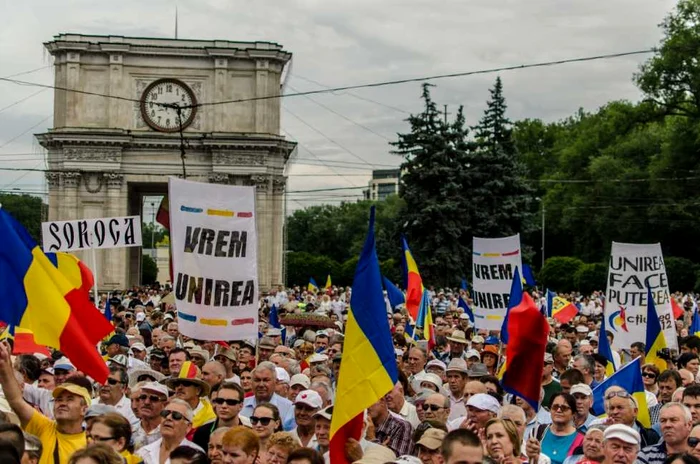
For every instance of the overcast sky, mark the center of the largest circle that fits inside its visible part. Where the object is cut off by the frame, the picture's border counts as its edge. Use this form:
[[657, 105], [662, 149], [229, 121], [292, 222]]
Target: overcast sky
[[337, 43]]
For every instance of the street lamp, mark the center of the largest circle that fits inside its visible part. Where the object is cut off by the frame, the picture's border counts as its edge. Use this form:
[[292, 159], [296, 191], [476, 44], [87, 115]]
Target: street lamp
[[153, 230]]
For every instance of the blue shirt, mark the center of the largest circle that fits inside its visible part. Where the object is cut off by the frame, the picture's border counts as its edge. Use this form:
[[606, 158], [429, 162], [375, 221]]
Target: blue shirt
[[557, 447], [285, 407]]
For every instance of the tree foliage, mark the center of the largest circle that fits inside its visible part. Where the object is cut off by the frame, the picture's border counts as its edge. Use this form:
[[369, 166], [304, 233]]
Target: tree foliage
[[591, 277], [149, 270], [558, 273], [27, 210], [155, 232]]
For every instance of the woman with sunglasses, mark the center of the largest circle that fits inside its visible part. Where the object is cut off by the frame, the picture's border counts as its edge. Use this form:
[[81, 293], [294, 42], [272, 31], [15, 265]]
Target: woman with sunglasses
[[265, 421], [694, 441], [113, 430], [240, 446], [560, 438], [650, 375]]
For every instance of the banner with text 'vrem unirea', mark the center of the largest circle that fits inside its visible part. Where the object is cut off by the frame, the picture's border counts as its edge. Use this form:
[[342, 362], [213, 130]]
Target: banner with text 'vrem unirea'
[[214, 252], [493, 263], [632, 268]]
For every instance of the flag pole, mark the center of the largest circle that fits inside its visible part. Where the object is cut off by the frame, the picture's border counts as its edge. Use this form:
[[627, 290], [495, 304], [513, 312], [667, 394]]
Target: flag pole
[[94, 270]]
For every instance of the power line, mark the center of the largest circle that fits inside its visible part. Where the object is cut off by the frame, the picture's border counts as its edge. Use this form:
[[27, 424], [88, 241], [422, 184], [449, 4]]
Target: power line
[[28, 72], [20, 135], [23, 99]]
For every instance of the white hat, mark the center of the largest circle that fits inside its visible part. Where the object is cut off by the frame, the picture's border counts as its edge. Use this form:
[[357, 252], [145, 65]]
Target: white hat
[[398, 352], [458, 336], [300, 379], [138, 346], [310, 398], [436, 363], [471, 353], [64, 363], [40, 356], [484, 402], [140, 317], [622, 432], [317, 358], [582, 329], [464, 316], [584, 342], [581, 388], [155, 387], [282, 375], [478, 339], [458, 365], [327, 413], [432, 378], [407, 459], [593, 338], [273, 332]]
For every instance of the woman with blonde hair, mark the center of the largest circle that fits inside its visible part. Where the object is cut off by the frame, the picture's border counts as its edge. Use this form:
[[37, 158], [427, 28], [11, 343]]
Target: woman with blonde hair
[[97, 453], [279, 446], [502, 442], [240, 446]]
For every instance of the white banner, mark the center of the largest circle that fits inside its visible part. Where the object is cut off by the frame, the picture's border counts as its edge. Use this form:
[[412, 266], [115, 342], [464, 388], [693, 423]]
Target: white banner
[[82, 234], [214, 252], [494, 262], [633, 268]]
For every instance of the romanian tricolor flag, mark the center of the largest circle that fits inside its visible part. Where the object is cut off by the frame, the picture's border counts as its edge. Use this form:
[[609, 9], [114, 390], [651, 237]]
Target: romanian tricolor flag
[[368, 371], [23, 341], [77, 273], [412, 281], [514, 299], [695, 323], [38, 297], [563, 310], [629, 378], [328, 283], [605, 350], [312, 286], [528, 332], [655, 337], [163, 214], [425, 320]]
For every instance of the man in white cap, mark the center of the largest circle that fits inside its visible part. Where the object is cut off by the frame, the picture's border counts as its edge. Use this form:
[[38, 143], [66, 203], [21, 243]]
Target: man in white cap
[[306, 405], [473, 357], [620, 444], [437, 367], [396, 400], [297, 384], [583, 395], [481, 407], [457, 377], [152, 397], [458, 342], [283, 380]]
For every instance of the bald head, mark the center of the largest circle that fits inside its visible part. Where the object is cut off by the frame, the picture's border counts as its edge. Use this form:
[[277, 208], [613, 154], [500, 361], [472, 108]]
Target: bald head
[[562, 356], [213, 372], [474, 387], [437, 407]]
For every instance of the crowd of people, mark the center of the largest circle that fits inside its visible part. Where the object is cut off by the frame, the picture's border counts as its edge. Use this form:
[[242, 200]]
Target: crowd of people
[[172, 399]]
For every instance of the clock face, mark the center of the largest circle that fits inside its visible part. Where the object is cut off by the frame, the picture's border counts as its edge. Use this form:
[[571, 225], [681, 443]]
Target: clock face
[[159, 102]]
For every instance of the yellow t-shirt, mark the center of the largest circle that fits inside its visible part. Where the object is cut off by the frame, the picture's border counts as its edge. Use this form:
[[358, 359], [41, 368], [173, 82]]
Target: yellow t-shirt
[[131, 458], [45, 429]]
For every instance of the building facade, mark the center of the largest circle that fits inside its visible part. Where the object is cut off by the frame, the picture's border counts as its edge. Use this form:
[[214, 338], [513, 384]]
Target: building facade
[[111, 144], [384, 182]]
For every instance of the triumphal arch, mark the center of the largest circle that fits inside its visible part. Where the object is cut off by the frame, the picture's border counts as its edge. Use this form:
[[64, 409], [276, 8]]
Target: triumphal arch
[[110, 146]]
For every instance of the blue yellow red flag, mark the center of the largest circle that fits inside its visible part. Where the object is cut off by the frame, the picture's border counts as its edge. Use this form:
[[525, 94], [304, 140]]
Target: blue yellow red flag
[[368, 371], [655, 339], [605, 350], [38, 297], [628, 377], [695, 324], [563, 310], [425, 320], [312, 286], [328, 283], [412, 281], [516, 296]]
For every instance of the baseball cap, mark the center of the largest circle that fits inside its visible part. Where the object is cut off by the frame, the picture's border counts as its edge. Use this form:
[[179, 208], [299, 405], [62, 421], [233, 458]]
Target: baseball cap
[[119, 339], [300, 379], [464, 316], [484, 402], [310, 398], [622, 432], [317, 358], [477, 339], [432, 438], [471, 353], [581, 388], [155, 387], [282, 375], [74, 389], [64, 363], [326, 413], [138, 346], [436, 363]]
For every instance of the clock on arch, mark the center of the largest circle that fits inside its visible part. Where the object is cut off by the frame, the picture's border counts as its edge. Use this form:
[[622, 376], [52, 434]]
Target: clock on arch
[[159, 104]]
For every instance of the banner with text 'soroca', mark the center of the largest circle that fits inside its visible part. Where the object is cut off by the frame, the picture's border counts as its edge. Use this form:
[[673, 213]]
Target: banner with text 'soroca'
[[82, 234], [214, 252], [632, 268], [493, 263]]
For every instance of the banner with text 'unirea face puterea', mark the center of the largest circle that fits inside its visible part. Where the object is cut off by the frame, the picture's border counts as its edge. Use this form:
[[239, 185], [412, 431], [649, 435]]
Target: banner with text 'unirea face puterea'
[[633, 268], [493, 263], [214, 252]]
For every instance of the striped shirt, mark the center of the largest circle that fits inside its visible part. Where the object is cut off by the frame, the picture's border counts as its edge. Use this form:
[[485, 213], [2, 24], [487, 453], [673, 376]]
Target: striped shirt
[[654, 454]]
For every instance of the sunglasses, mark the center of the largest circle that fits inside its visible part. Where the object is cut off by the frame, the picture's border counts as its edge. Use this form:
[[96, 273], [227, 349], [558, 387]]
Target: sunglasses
[[228, 401], [649, 375], [432, 407], [693, 442], [103, 439], [265, 421], [560, 407], [153, 398], [177, 416], [619, 394], [112, 381]]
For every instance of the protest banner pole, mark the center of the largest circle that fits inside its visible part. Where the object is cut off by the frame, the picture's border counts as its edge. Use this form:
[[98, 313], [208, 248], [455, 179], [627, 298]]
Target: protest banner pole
[[93, 257]]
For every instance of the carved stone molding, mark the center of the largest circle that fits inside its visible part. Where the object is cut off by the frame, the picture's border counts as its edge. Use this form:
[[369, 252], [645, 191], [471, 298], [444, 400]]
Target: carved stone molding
[[219, 178], [262, 183], [114, 180], [93, 182], [53, 179], [100, 154], [71, 179], [236, 159], [279, 184]]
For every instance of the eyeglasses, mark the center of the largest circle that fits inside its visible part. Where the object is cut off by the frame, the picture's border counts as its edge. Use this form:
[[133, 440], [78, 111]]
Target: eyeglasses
[[265, 421], [103, 439], [178, 416], [228, 401], [112, 381], [560, 407], [693, 441], [619, 394], [432, 407], [153, 398], [649, 375]]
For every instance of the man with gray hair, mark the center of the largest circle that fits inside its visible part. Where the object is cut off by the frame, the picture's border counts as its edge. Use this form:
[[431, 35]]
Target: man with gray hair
[[586, 365], [323, 389], [676, 423], [621, 408], [264, 383], [177, 421], [620, 444]]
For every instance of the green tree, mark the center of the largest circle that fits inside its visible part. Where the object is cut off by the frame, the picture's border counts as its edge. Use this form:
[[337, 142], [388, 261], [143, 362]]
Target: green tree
[[149, 270], [154, 232], [558, 273], [591, 277], [27, 210], [435, 189], [680, 273]]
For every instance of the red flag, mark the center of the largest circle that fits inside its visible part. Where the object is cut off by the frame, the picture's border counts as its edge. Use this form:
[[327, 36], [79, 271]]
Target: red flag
[[528, 331], [677, 310]]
